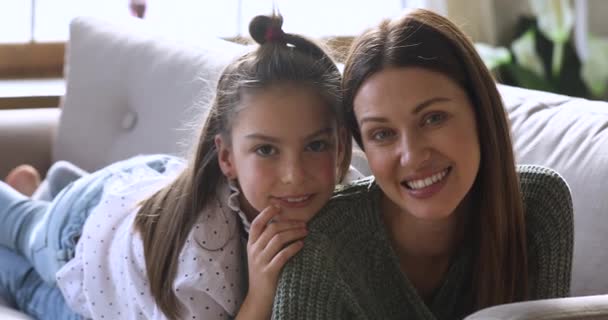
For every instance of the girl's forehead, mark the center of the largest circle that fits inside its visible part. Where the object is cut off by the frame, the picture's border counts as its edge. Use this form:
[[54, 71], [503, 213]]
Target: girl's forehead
[[282, 110]]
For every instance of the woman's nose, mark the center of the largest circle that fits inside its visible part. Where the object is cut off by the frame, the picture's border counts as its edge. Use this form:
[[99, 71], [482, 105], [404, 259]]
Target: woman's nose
[[412, 151]]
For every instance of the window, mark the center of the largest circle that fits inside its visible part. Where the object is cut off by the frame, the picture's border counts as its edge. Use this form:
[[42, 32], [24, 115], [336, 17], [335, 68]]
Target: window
[[36, 30], [48, 20]]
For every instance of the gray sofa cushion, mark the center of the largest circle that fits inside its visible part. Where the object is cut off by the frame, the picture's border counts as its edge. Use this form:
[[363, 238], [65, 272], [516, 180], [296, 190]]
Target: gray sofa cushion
[[130, 88], [570, 135]]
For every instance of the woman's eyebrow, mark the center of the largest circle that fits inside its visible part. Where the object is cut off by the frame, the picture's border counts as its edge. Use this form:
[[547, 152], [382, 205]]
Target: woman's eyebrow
[[427, 103], [373, 119], [421, 106]]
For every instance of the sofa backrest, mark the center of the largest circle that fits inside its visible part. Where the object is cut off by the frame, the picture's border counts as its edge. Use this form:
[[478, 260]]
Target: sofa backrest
[[131, 88], [570, 135]]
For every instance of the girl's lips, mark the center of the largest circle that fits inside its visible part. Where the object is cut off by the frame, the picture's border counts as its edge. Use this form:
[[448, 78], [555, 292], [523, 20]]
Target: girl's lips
[[293, 201], [427, 192]]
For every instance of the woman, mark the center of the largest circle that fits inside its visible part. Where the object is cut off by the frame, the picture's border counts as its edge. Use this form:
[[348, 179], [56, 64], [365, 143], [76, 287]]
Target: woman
[[448, 225]]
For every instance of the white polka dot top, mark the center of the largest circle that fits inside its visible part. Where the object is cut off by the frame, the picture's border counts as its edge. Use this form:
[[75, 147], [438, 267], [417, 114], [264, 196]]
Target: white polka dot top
[[107, 277]]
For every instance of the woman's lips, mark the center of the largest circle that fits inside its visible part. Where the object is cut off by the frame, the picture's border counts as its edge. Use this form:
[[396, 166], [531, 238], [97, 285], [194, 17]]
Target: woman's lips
[[428, 186]]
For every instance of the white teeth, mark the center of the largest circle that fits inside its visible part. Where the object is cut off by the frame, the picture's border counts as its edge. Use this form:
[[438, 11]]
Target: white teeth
[[296, 199], [426, 182]]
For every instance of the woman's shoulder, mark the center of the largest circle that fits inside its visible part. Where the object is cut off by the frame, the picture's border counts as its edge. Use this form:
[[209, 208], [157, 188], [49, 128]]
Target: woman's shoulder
[[358, 190], [350, 204], [351, 216], [549, 228], [547, 200]]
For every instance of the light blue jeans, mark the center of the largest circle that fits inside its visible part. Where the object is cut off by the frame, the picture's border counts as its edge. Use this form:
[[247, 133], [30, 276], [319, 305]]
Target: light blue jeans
[[22, 287], [45, 233]]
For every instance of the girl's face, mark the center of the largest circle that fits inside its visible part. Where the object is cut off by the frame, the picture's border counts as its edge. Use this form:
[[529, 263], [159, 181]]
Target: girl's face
[[419, 132], [283, 150]]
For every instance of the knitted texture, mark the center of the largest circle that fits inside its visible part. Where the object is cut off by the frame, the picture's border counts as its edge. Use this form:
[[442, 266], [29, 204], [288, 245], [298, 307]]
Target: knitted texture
[[348, 270]]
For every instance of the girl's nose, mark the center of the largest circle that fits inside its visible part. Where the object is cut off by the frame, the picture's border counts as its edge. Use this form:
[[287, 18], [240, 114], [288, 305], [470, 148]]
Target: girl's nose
[[293, 171]]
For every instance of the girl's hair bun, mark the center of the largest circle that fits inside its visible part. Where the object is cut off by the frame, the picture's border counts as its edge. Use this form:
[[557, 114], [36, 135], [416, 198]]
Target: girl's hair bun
[[265, 29]]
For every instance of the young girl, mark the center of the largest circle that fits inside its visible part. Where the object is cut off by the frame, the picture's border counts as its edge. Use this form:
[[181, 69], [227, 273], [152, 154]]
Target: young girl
[[156, 237], [448, 224]]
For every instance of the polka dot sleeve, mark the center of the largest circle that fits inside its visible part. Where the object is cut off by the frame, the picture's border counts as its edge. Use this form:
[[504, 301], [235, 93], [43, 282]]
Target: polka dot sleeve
[[107, 278]]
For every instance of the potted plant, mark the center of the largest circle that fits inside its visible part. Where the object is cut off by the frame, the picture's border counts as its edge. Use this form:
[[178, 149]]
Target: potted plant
[[542, 55]]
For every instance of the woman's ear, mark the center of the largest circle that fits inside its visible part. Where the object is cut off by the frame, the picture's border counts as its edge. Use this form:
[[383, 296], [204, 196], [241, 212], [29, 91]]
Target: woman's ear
[[225, 157]]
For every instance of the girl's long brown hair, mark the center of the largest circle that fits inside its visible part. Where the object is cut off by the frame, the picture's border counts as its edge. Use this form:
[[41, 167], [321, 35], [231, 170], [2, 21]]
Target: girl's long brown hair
[[165, 219], [424, 39]]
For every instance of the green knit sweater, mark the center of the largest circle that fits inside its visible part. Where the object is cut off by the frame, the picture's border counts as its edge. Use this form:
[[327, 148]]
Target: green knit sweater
[[348, 270]]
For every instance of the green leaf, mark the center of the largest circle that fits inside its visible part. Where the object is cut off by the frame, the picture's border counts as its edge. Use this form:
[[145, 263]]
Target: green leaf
[[527, 79], [493, 57], [555, 18], [525, 53], [594, 71]]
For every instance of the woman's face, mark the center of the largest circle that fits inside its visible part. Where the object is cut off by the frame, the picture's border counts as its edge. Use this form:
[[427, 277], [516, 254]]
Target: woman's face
[[419, 133], [284, 150]]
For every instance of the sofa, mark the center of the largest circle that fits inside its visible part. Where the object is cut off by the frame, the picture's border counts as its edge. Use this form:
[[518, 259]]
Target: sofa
[[132, 89]]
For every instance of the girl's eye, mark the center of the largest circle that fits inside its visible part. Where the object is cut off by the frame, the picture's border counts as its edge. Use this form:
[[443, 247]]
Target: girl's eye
[[317, 146], [434, 119], [382, 135], [266, 150]]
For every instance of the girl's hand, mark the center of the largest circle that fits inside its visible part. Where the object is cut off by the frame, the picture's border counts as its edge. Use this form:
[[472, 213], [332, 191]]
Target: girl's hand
[[272, 242]]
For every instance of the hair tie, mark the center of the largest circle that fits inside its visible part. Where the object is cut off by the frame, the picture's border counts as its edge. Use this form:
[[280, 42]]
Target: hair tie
[[274, 34]]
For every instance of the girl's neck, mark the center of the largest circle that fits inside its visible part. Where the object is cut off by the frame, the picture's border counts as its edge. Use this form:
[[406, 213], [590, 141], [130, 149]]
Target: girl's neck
[[247, 208]]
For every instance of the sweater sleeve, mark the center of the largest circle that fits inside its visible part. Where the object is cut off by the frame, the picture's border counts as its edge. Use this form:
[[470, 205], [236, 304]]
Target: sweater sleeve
[[310, 287], [549, 224]]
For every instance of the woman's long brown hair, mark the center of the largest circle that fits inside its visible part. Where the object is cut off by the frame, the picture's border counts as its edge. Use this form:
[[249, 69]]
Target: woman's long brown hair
[[165, 219], [424, 39]]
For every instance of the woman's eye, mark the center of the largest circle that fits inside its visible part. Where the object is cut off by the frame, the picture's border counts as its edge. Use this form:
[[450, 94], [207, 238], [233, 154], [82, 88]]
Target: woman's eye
[[266, 150], [318, 146], [434, 119], [381, 135]]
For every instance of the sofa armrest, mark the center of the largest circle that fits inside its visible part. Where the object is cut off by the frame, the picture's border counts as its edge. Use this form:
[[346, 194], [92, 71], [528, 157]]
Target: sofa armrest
[[10, 314], [26, 136], [587, 307]]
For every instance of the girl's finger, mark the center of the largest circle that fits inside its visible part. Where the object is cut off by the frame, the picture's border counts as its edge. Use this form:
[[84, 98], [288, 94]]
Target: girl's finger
[[279, 260], [275, 228], [260, 222], [280, 241]]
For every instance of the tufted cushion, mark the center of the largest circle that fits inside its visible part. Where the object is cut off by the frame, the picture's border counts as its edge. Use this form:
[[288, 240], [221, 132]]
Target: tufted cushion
[[131, 88], [570, 135]]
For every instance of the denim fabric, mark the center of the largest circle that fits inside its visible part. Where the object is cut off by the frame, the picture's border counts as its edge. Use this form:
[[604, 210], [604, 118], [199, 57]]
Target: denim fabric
[[17, 213], [58, 177], [50, 235], [54, 245], [22, 287]]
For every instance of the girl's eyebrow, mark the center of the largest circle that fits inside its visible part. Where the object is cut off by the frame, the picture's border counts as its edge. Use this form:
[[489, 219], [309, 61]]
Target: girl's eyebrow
[[320, 132], [259, 136]]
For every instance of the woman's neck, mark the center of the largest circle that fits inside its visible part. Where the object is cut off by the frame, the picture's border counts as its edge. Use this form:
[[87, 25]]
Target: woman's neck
[[424, 247], [423, 238]]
